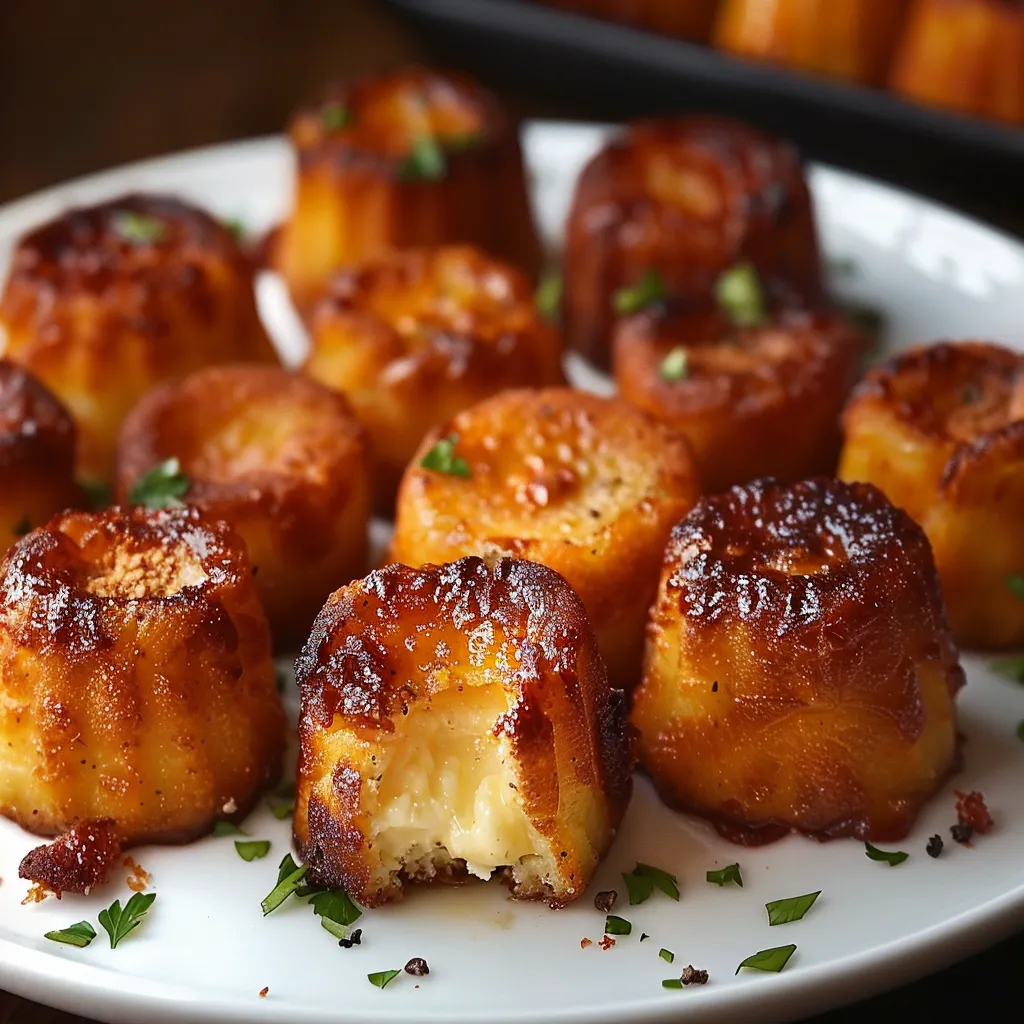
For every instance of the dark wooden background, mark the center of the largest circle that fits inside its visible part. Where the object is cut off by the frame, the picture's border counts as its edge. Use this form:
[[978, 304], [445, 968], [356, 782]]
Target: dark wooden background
[[87, 84]]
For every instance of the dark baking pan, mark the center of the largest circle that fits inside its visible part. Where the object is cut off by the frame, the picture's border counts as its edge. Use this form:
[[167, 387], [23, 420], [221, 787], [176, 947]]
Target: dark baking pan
[[603, 70]]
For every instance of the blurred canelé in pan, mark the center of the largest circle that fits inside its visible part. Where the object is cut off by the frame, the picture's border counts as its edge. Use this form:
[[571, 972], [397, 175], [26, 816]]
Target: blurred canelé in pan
[[685, 199], [37, 455], [104, 302], [457, 720], [586, 485], [412, 338], [414, 158], [688, 19], [799, 672], [941, 431], [850, 39], [136, 681], [755, 393], [964, 55], [282, 459]]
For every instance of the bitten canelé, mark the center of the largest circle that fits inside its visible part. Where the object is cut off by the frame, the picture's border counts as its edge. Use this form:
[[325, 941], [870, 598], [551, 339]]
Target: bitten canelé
[[586, 485], [667, 206], [799, 672], [278, 456], [756, 395], [37, 455], [104, 302], [136, 681], [941, 431], [415, 337], [413, 158], [457, 720]]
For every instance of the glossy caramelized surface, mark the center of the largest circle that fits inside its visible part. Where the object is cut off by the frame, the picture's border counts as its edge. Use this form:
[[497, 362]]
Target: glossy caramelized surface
[[37, 455], [104, 302], [964, 55], [688, 197], [280, 457], [474, 662], [412, 158], [135, 676], [414, 338], [941, 431], [799, 671], [586, 485], [752, 401]]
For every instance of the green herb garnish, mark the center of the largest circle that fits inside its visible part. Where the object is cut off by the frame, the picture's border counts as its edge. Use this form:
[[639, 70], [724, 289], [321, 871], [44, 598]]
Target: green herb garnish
[[237, 228], [648, 290], [442, 458], [667, 955], [791, 909], [252, 849], [161, 487], [227, 828], [672, 983], [866, 319], [334, 115], [335, 910], [730, 873], [891, 857], [22, 526], [675, 366], [79, 934], [739, 294], [1015, 584], [616, 925], [768, 959], [424, 162], [461, 141], [282, 801], [118, 923], [289, 878], [382, 978], [639, 888], [1011, 668], [662, 880], [139, 229], [548, 297]]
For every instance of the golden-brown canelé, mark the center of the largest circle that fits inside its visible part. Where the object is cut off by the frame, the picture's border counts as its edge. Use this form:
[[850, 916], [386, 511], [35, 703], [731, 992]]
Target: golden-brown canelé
[[407, 159], [964, 55], [457, 720], [104, 302], [37, 455], [799, 672], [688, 19], [278, 456], [851, 39], [136, 681], [415, 337], [752, 401], [686, 198], [941, 431], [586, 485]]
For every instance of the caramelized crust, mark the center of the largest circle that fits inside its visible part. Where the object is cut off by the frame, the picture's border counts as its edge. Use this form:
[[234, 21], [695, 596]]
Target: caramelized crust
[[457, 719], [752, 401], [799, 672], [691, 19], [104, 302], [941, 431], [851, 39], [414, 338], [964, 55], [413, 158], [136, 681], [37, 455], [586, 485], [78, 860], [688, 197], [282, 459]]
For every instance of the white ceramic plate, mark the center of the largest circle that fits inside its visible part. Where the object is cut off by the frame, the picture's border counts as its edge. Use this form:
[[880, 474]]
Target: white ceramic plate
[[205, 952]]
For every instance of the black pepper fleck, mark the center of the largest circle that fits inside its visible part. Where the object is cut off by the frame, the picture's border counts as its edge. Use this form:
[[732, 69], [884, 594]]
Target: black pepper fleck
[[355, 939], [934, 847], [417, 967], [605, 900], [961, 833], [714, 686], [691, 976]]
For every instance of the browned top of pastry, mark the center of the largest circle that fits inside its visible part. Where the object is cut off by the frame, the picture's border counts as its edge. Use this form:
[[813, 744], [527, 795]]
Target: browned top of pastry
[[800, 559], [375, 122], [76, 861], [35, 429], [74, 583]]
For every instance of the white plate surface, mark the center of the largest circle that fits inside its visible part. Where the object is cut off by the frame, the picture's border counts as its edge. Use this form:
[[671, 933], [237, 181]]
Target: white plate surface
[[205, 951]]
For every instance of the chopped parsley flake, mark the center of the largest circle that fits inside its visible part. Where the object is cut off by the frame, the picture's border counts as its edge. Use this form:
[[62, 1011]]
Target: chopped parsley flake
[[163, 486], [768, 959], [139, 229], [739, 294], [79, 934], [119, 923], [289, 879], [675, 366], [648, 290], [614, 925], [891, 857], [334, 115], [382, 978], [227, 828], [667, 955], [548, 297], [442, 458], [730, 873], [252, 849], [791, 909], [424, 162]]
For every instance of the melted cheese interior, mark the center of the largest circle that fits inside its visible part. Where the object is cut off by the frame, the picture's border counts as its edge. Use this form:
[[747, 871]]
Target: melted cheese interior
[[448, 790]]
